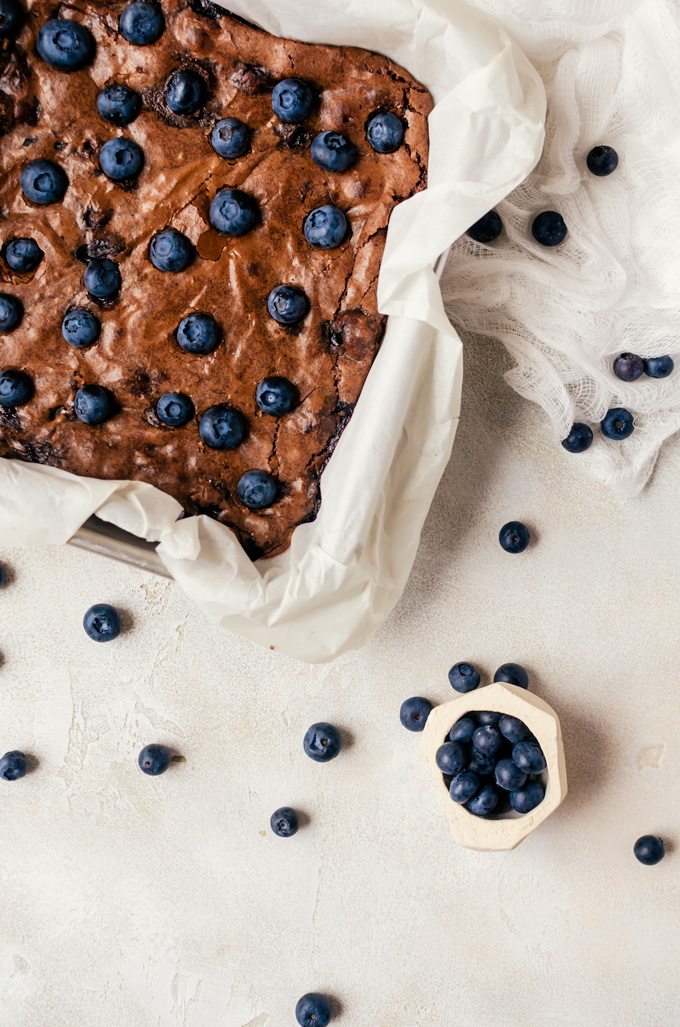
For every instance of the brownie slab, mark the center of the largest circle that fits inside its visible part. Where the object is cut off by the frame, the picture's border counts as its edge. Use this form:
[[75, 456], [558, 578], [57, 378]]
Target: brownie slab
[[230, 69]]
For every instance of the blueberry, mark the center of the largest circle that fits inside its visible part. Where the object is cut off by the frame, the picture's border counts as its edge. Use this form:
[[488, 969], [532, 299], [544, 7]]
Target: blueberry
[[284, 822], [171, 251], [292, 100], [528, 756], [11, 312], [65, 45], [464, 786], [464, 677], [487, 740], [414, 713], [385, 132], [102, 623], [276, 396], [198, 333], [512, 674], [44, 182], [649, 849], [13, 766], [287, 304], [579, 439], [313, 1010], [482, 764], [513, 729], [121, 159], [222, 427], [11, 18], [185, 92], [257, 490], [485, 801], [174, 409], [102, 278], [142, 23], [659, 367], [451, 758], [548, 228], [93, 404], [617, 424], [119, 104], [22, 255], [488, 228], [80, 327], [463, 730], [527, 798], [16, 389], [154, 759], [629, 367], [322, 742], [509, 776], [234, 212], [488, 717], [3, 576], [333, 151], [230, 138], [514, 537], [602, 160], [325, 227]]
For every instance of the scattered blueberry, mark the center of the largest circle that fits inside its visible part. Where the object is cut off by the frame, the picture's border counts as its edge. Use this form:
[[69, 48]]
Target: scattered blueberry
[[3, 575], [385, 132], [529, 757], [464, 677], [579, 439], [649, 849], [119, 105], [326, 227], [276, 396], [485, 801], [322, 742], [174, 409], [527, 798], [513, 729], [548, 228], [512, 674], [65, 45], [333, 151], [287, 304], [464, 786], [16, 389], [488, 717], [13, 766], [602, 160], [313, 1010], [234, 212], [102, 278], [93, 404], [44, 182], [199, 333], [185, 92], [514, 537], [230, 138], [142, 23], [414, 712], [617, 424], [284, 822], [11, 18], [629, 367], [102, 623], [257, 490], [509, 776], [22, 255], [171, 251], [463, 730], [659, 367], [451, 758], [11, 312], [487, 740], [80, 327], [121, 159], [292, 100], [488, 228], [222, 427], [154, 759]]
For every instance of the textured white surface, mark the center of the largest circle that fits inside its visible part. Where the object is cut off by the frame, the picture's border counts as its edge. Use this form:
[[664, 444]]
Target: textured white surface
[[126, 900]]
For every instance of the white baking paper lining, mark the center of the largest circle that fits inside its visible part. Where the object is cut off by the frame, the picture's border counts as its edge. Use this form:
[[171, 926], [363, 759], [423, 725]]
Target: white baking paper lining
[[344, 572]]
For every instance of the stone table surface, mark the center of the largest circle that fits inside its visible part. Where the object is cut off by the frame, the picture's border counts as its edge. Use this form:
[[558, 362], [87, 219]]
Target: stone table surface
[[126, 900]]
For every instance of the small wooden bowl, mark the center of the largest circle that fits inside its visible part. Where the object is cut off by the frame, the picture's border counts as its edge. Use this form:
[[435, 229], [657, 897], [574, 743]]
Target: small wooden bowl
[[509, 829]]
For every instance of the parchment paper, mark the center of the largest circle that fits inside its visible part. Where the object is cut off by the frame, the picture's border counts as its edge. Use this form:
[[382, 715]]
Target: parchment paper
[[345, 571]]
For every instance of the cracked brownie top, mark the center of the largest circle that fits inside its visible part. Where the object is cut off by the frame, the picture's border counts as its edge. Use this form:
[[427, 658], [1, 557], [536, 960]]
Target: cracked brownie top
[[192, 218]]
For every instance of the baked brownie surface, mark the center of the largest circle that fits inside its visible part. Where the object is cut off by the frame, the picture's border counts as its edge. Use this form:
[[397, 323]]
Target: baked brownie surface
[[46, 113]]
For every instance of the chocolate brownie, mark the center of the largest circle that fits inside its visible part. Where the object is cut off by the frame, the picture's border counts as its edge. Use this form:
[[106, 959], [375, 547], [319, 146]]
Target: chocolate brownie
[[165, 167]]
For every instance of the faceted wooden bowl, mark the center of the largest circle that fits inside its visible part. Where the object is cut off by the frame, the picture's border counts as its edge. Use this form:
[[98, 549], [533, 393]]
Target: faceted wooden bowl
[[509, 829]]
